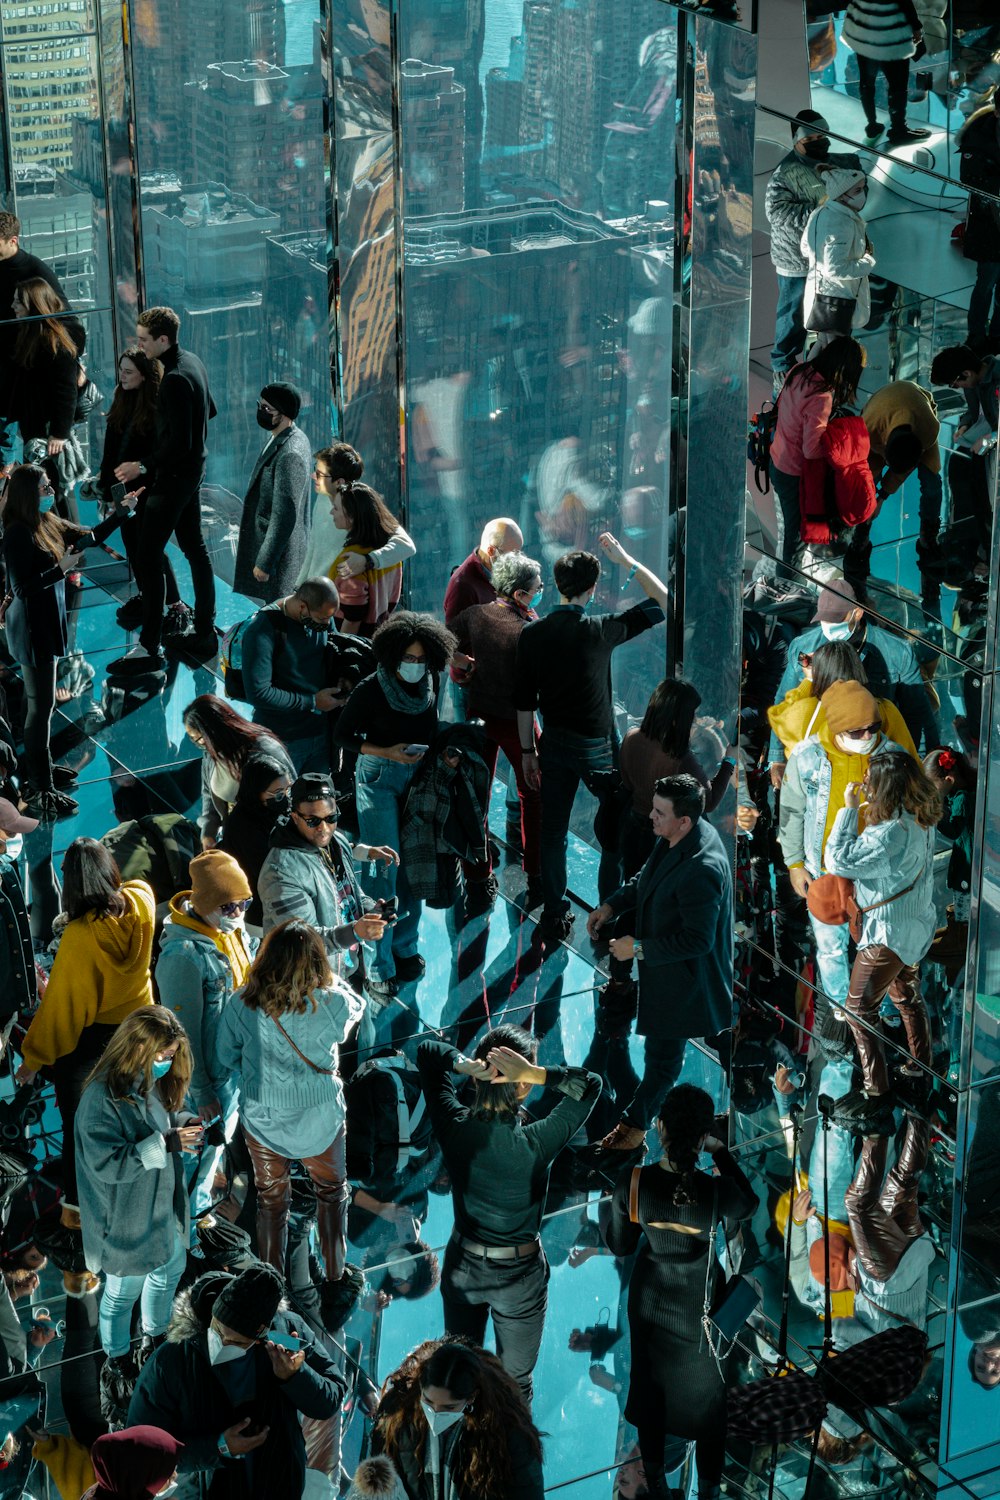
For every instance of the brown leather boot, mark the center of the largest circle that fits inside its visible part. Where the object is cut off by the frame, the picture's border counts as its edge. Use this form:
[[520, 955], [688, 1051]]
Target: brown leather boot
[[623, 1138]]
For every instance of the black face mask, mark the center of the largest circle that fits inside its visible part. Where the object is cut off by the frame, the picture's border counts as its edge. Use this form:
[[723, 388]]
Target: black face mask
[[276, 807], [266, 420], [818, 150]]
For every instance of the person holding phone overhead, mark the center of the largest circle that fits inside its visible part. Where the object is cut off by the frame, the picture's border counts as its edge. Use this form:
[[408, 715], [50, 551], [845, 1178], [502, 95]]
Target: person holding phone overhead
[[389, 721]]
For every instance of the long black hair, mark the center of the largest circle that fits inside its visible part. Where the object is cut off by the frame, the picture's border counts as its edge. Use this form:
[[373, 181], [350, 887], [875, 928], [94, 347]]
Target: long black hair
[[686, 1116], [91, 881], [670, 714]]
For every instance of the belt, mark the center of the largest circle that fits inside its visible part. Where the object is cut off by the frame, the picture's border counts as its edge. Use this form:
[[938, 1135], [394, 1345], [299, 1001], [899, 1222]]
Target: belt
[[498, 1252]]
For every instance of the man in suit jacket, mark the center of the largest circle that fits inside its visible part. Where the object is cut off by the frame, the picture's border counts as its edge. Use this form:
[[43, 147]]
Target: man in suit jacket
[[272, 544], [676, 918]]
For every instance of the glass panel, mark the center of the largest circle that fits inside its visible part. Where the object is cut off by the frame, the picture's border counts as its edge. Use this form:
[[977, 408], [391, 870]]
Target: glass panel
[[229, 108], [64, 18]]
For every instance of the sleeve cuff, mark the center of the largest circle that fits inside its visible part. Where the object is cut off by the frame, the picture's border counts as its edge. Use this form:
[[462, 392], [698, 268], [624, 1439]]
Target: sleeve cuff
[[152, 1152]]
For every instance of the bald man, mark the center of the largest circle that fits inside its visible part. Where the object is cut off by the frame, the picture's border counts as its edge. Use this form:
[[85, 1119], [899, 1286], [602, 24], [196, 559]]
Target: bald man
[[471, 583]]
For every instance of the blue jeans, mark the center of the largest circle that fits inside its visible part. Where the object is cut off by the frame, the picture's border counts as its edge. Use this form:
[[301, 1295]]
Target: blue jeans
[[156, 1290], [985, 292], [834, 971], [835, 1080], [382, 786], [566, 759], [311, 753], [789, 328]]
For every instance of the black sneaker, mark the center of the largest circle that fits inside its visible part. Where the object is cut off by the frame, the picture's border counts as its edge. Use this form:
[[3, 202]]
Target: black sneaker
[[479, 896], [195, 647], [409, 968], [129, 615], [138, 662], [63, 776], [338, 1299], [555, 927], [178, 619], [381, 989], [906, 135], [49, 806], [150, 1343]]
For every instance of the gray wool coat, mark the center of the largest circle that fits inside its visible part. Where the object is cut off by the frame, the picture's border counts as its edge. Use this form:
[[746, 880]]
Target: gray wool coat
[[133, 1199], [275, 518]]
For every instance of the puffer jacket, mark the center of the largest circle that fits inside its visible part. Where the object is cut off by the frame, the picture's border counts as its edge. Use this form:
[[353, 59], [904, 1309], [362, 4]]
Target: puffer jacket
[[835, 243], [980, 169], [880, 29], [196, 973], [794, 189], [812, 793], [840, 482]]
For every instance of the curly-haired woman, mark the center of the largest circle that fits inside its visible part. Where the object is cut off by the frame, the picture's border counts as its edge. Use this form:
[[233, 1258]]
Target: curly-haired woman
[[390, 721], [676, 1388], [454, 1422]]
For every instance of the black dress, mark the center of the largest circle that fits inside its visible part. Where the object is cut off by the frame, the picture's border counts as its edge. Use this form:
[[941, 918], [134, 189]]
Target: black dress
[[675, 1384]]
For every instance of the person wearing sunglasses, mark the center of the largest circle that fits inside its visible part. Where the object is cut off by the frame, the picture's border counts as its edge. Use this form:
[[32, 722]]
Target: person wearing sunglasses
[[205, 956]]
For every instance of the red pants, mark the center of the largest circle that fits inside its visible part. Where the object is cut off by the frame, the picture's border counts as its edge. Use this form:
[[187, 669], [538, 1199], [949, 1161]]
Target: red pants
[[501, 734]]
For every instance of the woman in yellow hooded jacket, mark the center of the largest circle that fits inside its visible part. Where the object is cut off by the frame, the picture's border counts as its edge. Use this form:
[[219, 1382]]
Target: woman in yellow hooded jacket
[[100, 976], [800, 713]]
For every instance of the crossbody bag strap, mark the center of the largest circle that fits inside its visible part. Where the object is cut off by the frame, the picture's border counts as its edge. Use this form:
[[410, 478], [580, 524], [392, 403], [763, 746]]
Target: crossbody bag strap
[[633, 1196], [327, 1072], [888, 900]]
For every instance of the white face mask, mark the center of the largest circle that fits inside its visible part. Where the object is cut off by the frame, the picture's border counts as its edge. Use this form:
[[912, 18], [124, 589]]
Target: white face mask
[[14, 846], [837, 630], [440, 1422], [857, 747], [220, 1353], [230, 924]]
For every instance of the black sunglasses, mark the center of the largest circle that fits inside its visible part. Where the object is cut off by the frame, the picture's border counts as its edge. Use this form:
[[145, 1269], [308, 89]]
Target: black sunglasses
[[233, 908], [314, 822]]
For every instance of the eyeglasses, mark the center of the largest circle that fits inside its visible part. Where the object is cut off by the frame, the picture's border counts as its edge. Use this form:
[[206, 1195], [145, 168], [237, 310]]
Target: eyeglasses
[[408, 657], [321, 474], [233, 908], [314, 822]]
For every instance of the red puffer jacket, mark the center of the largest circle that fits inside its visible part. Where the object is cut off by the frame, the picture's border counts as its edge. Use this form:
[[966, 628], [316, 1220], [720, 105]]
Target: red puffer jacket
[[843, 475]]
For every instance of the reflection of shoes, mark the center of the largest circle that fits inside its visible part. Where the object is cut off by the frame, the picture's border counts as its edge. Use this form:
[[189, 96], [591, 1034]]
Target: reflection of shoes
[[118, 1378], [338, 1299], [178, 620], [872, 132], [623, 1138], [136, 662], [63, 776], [197, 647], [906, 134], [381, 989], [769, 592], [69, 1216], [130, 613], [150, 1343], [408, 967], [48, 806], [480, 895], [864, 1114], [555, 927]]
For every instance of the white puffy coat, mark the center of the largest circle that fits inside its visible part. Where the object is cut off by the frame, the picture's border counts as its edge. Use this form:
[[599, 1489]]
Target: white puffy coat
[[834, 243]]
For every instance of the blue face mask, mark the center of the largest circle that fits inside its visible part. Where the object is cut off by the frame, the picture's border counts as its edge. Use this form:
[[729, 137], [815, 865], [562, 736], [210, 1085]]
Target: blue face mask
[[161, 1069], [46, 502], [412, 671], [837, 630], [536, 599]]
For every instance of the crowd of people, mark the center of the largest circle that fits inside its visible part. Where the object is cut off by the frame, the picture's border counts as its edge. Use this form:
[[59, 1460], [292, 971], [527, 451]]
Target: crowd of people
[[217, 1028]]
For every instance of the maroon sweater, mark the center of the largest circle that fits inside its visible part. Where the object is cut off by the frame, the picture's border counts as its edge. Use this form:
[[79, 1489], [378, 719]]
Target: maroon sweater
[[469, 584]]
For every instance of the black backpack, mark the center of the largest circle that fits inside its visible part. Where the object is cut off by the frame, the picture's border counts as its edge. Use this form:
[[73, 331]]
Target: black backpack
[[387, 1119], [760, 431]]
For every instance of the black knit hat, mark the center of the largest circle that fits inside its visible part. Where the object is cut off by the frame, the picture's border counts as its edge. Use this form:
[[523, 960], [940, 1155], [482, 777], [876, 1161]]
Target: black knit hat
[[250, 1300], [283, 397]]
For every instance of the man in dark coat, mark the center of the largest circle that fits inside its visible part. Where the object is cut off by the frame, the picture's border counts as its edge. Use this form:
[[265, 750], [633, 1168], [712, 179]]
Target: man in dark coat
[[184, 409], [676, 918], [272, 544], [230, 1393], [980, 170]]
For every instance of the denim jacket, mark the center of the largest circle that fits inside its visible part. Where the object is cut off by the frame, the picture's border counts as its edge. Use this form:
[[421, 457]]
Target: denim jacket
[[805, 801], [883, 860]]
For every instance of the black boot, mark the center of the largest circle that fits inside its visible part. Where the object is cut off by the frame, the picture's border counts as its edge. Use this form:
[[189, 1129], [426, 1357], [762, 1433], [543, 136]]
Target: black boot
[[338, 1299]]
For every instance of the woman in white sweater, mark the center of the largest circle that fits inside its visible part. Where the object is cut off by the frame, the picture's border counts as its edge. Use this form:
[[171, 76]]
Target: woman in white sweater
[[836, 245], [891, 861]]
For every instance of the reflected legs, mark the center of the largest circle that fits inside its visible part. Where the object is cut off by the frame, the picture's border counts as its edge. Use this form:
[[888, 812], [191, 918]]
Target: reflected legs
[[985, 294], [884, 1220]]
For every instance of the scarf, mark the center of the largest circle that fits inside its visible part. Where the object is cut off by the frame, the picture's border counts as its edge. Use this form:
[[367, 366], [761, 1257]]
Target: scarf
[[402, 700]]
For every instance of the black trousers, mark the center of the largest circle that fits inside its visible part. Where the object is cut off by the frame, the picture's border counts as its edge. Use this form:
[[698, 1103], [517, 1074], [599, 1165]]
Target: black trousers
[[130, 536], [897, 76], [515, 1292], [177, 515], [39, 701], [69, 1074]]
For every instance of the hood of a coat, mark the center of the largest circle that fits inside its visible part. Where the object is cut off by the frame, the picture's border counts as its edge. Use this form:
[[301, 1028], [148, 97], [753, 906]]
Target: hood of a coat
[[182, 924], [124, 941]]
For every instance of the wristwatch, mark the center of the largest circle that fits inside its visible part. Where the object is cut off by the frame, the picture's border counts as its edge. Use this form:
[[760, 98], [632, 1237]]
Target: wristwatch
[[637, 949]]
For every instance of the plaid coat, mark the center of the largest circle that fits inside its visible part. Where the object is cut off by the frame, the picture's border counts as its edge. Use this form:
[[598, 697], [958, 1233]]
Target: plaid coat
[[444, 820]]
